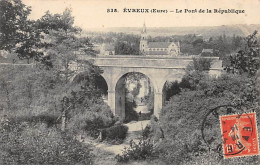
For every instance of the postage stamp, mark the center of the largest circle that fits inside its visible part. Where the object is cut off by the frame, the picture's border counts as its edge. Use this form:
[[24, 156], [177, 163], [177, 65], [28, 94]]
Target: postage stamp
[[239, 133]]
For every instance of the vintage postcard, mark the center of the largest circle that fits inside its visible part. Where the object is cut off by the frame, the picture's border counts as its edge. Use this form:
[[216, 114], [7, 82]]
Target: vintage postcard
[[129, 82]]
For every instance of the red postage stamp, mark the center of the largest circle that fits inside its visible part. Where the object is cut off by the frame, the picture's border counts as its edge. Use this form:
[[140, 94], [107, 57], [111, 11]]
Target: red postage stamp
[[239, 135]]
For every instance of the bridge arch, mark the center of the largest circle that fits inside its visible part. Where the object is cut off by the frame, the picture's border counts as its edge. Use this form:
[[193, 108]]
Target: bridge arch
[[168, 80], [102, 85], [100, 82], [124, 101], [106, 80], [139, 70], [157, 78]]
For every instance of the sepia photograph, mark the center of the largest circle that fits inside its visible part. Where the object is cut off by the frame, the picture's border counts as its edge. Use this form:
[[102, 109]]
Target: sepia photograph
[[129, 82]]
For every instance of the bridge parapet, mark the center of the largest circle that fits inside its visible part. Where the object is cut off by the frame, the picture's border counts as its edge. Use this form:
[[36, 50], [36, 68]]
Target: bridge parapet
[[148, 62]]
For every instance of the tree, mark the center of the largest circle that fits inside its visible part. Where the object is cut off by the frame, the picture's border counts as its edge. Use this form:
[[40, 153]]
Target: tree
[[196, 71], [127, 44], [170, 89], [30, 45], [125, 48], [200, 64], [13, 21], [17, 33], [246, 60], [62, 42]]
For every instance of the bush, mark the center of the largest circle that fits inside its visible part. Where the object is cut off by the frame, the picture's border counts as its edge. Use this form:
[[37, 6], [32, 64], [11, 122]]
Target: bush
[[49, 120], [182, 116], [181, 150], [92, 126], [137, 151], [147, 132], [115, 134], [38, 144], [153, 131], [130, 113], [96, 117]]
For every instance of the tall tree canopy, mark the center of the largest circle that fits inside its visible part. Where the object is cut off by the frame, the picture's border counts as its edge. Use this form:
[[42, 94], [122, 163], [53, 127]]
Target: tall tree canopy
[[62, 41], [246, 60], [17, 32], [13, 21]]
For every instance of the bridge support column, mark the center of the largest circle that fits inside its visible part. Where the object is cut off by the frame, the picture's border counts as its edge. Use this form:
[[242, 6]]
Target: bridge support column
[[111, 101], [157, 103]]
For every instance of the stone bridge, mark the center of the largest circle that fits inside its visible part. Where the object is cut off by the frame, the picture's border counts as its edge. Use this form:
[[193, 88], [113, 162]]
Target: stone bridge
[[158, 70]]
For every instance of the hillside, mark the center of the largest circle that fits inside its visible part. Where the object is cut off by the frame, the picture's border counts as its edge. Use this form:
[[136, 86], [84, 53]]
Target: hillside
[[229, 30]]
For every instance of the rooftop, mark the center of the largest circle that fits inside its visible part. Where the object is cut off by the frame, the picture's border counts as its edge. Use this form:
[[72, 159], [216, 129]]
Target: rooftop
[[158, 44]]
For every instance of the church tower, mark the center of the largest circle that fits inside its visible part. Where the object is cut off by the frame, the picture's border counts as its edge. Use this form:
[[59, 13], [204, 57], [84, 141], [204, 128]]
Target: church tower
[[143, 41]]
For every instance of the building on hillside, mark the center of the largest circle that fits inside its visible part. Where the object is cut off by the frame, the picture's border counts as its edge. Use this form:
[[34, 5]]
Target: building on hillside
[[157, 48], [107, 49]]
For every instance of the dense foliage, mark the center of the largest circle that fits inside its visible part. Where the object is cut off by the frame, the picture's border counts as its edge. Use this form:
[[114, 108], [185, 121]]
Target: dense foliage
[[34, 97], [182, 117], [13, 17], [246, 61], [17, 33], [141, 150], [189, 108], [27, 143], [127, 47], [115, 134]]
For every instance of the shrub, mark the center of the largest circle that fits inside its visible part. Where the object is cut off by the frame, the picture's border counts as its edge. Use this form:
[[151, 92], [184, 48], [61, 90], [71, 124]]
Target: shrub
[[115, 134], [153, 131], [96, 117], [147, 132], [130, 113], [180, 150], [49, 120], [182, 117], [137, 151], [92, 126], [38, 144]]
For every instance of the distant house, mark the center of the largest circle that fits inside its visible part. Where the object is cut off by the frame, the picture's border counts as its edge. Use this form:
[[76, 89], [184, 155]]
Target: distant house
[[207, 52], [162, 48], [157, 48], [107, 49]]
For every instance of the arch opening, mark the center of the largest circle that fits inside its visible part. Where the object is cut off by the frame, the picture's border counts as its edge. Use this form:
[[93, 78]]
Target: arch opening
[[97, 81], [170, 89], [102, 86], [134, 97]]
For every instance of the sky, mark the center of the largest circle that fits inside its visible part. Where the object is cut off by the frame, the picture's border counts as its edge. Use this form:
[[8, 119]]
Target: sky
[[93, 13]]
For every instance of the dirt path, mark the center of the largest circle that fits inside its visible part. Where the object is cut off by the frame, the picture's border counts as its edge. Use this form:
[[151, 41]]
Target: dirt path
[[134, 132], [143, 109]]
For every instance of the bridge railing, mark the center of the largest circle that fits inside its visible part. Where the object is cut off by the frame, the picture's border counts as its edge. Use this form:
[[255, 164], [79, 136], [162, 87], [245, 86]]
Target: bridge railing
[[148, 62]]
